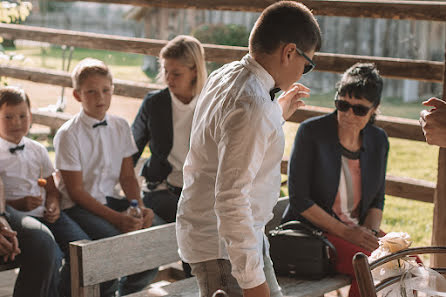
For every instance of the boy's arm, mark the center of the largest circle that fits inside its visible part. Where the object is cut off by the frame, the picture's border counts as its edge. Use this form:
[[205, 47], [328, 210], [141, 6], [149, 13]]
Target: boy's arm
[[52, 202], [130, 186], [75, 187], [128, 181]]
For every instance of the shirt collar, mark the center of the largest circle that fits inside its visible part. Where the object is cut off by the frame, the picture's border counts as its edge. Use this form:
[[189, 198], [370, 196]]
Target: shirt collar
[[190, 106], [89, 121], [265, 78], [6, 145]]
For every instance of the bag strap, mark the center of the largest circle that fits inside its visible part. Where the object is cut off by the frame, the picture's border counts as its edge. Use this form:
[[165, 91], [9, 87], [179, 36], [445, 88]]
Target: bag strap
[[300, 226]]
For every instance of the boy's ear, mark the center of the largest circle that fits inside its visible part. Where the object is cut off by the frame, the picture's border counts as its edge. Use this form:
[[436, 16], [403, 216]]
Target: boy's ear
[[287, 53], [76, 95]]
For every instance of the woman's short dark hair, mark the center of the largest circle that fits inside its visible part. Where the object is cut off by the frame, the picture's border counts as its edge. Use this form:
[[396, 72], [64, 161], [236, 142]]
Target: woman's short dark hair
[[285, 22], [13, 96], [362, 80]]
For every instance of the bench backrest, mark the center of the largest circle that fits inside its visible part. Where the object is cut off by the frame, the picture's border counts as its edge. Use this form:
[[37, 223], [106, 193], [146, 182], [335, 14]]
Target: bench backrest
[[93, 262]]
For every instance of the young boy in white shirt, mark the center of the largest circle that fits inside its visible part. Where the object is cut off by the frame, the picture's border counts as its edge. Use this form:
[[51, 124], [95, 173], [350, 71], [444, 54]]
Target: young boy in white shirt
[[232, 171], [22, 163], [93, 153]]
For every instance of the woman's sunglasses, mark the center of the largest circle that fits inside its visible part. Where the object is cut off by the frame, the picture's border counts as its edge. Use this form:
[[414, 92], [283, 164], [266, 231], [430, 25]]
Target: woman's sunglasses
[[307, 67], [358, 109]]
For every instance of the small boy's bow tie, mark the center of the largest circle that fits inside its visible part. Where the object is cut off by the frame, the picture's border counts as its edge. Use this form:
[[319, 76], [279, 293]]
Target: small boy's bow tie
[[103, 123], [17, 148]]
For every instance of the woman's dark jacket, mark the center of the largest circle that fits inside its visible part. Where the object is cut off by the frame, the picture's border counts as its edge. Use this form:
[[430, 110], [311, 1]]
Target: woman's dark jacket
[[315, 167], [153, 125]]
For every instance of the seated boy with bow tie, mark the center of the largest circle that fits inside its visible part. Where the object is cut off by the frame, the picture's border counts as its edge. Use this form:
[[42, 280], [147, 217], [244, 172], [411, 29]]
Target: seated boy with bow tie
[[29, 190], [93, 153]]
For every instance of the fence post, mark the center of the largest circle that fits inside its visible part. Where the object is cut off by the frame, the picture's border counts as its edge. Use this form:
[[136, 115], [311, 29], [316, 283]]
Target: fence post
[[439, 223]]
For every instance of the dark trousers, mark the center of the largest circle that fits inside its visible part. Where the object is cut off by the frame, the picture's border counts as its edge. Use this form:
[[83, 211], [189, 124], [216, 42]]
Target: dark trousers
[[39, 260]]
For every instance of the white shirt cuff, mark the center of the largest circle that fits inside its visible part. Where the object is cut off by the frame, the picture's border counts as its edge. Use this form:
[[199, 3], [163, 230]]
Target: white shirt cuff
[[251, 279]]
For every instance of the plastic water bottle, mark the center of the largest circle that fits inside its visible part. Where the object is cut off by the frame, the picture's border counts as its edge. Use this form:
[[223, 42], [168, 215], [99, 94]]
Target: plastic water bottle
[[134, 210]]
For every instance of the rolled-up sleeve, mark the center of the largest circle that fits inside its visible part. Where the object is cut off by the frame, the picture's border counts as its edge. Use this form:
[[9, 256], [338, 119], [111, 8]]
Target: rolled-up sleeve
[[242, 144]]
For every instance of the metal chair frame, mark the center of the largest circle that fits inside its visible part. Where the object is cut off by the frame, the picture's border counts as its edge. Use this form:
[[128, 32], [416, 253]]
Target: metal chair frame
[[363, 269]]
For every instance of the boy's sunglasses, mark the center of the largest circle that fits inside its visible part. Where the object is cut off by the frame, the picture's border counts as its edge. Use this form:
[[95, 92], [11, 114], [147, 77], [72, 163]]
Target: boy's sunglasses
[[307, 67], [358, 109]]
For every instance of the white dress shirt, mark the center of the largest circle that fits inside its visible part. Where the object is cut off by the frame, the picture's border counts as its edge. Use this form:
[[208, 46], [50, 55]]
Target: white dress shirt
[[232, 171], [21, 170], [182, 115], [97, 152]]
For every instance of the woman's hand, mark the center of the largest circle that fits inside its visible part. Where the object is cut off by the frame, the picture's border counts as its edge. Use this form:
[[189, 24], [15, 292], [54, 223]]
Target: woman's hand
[[362, 237]]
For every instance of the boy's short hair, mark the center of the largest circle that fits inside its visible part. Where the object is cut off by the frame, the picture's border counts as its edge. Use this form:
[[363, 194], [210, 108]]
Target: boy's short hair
[[13, 96], [88, 67], [362, 80], [285, 22]]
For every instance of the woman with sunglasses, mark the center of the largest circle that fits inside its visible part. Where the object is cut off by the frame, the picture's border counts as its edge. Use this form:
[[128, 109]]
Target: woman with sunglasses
[[337, 169]]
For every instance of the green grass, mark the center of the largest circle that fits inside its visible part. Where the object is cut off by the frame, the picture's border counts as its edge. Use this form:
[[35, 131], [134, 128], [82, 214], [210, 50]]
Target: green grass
[[413, 217], [123, 65], [406, 158]]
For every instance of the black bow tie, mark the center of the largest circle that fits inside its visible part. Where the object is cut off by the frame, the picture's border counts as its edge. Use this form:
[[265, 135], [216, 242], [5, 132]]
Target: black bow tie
[[273, 92], [103, 123], [17, 148]]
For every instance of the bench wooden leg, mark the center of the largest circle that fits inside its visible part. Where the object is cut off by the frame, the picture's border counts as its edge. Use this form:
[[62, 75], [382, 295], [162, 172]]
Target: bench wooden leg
[[77, 288]]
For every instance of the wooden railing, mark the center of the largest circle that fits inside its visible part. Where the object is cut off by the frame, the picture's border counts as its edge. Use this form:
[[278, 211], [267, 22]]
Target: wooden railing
[[389, 67], [409, 10]]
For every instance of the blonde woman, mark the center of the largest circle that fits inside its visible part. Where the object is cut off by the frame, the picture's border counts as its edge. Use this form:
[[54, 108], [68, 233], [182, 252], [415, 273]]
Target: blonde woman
[[164, 123]]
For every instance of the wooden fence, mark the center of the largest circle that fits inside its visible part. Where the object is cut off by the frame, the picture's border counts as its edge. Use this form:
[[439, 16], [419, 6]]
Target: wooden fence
[[389, 67]]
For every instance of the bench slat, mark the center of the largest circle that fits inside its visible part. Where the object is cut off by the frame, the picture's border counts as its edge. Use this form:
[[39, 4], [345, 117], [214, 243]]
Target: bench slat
[[290, 287], [306, 288], [125, 254]]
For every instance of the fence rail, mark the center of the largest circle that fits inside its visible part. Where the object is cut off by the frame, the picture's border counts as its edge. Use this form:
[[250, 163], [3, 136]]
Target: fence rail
[[410, 10], [389, 67]]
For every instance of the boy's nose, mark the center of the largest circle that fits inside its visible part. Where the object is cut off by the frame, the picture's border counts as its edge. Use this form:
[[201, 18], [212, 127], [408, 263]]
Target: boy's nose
[[16, 121]]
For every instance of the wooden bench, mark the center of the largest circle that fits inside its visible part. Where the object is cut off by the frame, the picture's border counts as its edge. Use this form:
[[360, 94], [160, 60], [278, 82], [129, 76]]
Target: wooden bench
[[93, 262]]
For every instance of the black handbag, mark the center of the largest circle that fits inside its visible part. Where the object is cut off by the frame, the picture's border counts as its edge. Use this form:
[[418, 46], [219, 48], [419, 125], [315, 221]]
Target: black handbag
[[301, 251]]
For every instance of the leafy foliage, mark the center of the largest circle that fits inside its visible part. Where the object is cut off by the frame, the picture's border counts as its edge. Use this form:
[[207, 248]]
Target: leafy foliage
[[12, 12], [235, 35]]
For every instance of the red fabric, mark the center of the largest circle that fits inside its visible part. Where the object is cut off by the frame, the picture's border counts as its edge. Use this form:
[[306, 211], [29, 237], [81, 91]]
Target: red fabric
[[345, 252]]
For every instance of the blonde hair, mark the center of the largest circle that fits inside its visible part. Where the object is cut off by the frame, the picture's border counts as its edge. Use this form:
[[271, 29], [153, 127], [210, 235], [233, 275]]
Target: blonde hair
[[86, 68], [189, 52]]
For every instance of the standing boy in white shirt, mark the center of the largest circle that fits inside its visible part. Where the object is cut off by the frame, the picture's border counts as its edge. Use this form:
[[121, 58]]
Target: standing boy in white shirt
[[232, 171], [93, 153]]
